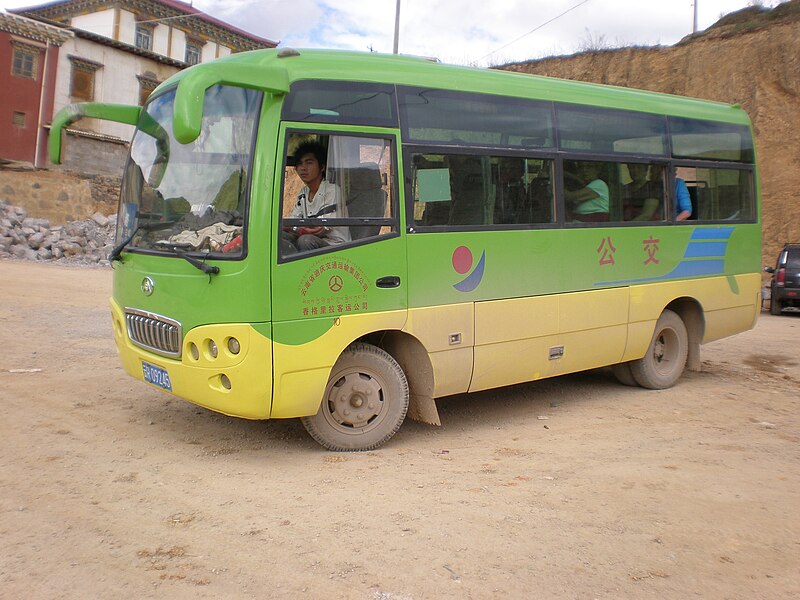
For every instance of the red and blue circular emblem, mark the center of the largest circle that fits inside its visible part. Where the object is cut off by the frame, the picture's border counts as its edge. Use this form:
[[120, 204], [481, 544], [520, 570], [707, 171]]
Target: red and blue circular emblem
[[462, 263]]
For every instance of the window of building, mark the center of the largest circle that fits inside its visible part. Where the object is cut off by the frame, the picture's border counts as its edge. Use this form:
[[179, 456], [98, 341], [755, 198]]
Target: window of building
[[25, 61], [82, 79], [147, 83], [144, 37], [193, 52], [18, 119]]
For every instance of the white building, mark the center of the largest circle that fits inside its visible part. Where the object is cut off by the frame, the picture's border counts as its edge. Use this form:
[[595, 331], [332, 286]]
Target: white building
[[120, 51]]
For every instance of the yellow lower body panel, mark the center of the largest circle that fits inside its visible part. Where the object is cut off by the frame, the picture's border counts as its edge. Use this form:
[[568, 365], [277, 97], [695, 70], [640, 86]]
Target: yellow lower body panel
[[302, 371], [238, 384]]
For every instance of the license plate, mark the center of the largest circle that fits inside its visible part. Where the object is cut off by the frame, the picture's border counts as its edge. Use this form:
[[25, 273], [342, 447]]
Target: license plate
[[156, 376]]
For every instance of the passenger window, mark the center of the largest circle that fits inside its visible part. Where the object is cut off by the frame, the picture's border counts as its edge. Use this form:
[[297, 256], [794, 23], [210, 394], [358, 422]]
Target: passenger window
[[716, 194], [336, 191], [692, 138], [592, 191], [467, 190], [466, 119], [587, 129], [642, 192]]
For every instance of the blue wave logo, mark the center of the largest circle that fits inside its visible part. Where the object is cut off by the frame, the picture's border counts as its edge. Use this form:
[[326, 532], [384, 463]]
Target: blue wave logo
[[704, 255]]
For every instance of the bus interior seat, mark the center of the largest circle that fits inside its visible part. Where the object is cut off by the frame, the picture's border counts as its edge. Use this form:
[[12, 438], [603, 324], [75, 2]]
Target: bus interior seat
[[468, 195], [729, 201], [614, 181], [366, 198], [692, 187]]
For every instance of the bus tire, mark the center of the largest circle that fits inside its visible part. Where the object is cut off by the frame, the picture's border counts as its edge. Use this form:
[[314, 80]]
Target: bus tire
[[365, 402], [663, 363], [622, 371], [775, 307]]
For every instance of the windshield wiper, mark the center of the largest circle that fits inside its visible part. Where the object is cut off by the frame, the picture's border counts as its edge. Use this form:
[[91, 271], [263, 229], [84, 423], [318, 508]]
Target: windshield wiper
[[117, 250], [207, 269], [180, 250]]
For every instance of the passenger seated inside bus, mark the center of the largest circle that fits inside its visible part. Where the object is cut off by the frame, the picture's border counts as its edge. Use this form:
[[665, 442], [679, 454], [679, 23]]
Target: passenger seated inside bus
[[644, 195], [317, 198], [683, 201], [585, 193]]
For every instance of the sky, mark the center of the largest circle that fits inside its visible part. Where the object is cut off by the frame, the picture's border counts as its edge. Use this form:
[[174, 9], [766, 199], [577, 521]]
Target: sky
[[467, 32]]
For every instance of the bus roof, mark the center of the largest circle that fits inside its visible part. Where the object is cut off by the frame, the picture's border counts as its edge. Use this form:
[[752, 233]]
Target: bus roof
[[275, 70]]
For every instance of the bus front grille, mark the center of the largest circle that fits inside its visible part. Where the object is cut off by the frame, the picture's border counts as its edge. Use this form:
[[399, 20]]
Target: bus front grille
[[154, 332]]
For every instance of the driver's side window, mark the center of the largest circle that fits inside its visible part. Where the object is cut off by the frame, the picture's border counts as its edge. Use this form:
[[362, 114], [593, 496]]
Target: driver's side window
[[337, 190]]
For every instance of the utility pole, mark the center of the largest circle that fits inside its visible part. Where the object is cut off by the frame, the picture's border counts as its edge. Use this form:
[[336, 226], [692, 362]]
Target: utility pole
[[397, 28], [694, 25]]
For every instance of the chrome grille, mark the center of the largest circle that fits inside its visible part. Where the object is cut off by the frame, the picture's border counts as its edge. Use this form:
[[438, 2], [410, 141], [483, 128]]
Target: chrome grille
[[154, 332]]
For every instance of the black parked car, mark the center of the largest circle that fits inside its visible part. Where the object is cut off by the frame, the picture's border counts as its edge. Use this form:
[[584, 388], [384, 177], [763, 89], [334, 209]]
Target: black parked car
[[785, 286]]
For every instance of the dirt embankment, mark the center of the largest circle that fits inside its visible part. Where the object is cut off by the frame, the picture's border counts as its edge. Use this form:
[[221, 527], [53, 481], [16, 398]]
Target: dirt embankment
[[749, 58]]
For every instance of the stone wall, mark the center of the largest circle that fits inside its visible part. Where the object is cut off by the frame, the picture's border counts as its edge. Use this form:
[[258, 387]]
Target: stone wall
[[92, 156], [59, 196]]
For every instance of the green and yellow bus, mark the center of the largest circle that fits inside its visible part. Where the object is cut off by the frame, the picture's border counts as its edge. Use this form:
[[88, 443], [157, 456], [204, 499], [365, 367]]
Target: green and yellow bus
[[480, 229]]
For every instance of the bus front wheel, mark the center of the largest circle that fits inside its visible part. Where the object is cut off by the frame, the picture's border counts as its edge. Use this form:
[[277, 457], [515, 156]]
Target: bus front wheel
[[365, 402], [663, 364]]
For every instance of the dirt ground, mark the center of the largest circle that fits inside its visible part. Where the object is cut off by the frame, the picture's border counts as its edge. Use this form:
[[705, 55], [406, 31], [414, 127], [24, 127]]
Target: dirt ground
[[570, 488]]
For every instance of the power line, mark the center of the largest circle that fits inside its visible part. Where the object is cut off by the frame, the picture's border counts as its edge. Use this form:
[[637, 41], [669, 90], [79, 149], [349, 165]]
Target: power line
[[538, 27]]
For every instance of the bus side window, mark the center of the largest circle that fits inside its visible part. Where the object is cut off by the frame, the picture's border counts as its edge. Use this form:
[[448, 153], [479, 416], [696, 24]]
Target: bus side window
[[468, 182], [719, 194], [479, 190], [343, 197]]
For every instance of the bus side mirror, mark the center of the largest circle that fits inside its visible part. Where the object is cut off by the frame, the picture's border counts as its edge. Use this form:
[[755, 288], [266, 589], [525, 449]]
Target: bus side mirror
[[120, 113]]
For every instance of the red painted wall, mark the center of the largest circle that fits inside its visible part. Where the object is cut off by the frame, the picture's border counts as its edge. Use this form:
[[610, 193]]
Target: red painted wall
[[19, 94]]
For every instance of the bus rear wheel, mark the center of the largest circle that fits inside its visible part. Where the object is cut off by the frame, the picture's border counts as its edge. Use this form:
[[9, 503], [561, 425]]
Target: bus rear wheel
[[365, 401], [663, 363], [622, 371]]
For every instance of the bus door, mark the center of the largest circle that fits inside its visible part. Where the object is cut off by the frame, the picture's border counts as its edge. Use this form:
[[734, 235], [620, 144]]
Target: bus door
[[339, 262]]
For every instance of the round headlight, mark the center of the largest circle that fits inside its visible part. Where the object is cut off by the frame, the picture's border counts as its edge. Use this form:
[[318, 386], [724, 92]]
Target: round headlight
[[212, 348], [233, 346], [225, 381], [194, 351]]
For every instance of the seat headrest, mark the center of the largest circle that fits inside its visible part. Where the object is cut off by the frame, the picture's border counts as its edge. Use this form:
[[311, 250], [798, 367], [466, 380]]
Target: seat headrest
[[367, 176]]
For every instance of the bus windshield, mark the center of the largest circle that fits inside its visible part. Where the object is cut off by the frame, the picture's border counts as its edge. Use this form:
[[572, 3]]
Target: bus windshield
[[190, 197]]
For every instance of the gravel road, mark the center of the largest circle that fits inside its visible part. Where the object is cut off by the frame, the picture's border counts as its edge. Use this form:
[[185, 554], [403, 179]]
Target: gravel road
[[575, 487]]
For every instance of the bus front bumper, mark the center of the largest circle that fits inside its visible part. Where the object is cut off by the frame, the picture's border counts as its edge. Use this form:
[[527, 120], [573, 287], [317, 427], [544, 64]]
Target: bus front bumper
[[236, 382]]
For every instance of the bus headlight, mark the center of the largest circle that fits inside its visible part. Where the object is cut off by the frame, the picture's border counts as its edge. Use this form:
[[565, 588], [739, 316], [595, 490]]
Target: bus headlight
[[212, 348], [233, 345]]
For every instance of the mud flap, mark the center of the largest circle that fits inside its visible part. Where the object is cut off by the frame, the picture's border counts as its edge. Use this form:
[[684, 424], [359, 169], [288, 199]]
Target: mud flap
[[423, 409]]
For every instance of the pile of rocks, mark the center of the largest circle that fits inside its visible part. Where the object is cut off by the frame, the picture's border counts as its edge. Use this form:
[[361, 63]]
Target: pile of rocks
[[86, 242]]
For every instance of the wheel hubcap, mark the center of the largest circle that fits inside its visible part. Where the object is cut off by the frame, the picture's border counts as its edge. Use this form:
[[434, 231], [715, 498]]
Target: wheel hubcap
[[665, 350], [355, 400]]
